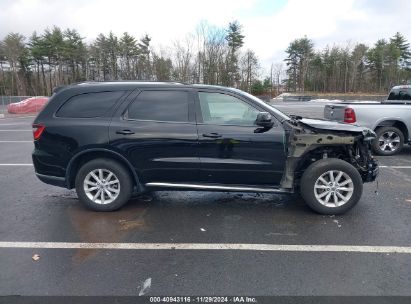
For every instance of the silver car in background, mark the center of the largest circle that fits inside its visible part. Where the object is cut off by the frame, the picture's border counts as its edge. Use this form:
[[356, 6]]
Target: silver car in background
[[390, 119]]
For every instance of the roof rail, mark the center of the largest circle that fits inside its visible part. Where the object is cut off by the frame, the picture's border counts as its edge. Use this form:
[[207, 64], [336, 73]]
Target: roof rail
[[140, 80], [58, 89]]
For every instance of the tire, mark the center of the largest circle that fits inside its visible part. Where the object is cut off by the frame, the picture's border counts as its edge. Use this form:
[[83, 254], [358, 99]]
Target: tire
[[389, 141], [312, 189], [116, 181]]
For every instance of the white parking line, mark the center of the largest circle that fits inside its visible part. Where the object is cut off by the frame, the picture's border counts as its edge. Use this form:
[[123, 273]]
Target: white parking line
[[396, 167], [16, 164], [18, 117], [207, 246], [13, 124], [16, 141], [390, 167]]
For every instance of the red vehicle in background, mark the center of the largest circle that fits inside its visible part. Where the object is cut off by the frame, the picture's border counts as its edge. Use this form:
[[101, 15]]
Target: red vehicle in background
[[29, 105]]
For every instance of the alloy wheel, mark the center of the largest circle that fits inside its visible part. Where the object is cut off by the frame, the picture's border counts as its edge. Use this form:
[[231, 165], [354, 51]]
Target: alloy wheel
[[333, 188], [101, 186], [389, 141]]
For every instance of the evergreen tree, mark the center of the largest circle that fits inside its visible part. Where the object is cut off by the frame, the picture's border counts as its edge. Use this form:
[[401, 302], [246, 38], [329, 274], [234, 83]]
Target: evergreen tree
[[112, 45], [377, 59], [300, 52], [37, 51], [404, 47], [128, 52], [75, 56], [163, 68], [144, 62], [403, 71], [257, 88], [235, 40], [57, 57]]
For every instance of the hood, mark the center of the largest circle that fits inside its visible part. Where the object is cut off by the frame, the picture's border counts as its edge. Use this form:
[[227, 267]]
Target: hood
[[336, 126]]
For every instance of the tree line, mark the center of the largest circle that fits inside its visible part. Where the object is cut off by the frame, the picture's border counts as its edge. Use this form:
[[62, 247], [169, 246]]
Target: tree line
[[357, 68], [210, 55]]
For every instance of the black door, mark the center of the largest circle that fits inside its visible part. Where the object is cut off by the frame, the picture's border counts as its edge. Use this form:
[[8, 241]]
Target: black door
[[233, 150], [156, 132]]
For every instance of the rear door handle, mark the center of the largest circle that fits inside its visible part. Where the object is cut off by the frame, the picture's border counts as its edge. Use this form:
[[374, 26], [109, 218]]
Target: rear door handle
[[212, 135], [124, 132]]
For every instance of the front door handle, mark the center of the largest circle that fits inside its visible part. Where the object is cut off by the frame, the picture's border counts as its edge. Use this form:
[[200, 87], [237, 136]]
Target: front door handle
[[124, 132], [212, 135]]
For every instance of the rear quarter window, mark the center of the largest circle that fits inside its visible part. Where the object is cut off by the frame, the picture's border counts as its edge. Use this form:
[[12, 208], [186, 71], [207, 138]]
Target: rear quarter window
[[89, 105], [400, 94]]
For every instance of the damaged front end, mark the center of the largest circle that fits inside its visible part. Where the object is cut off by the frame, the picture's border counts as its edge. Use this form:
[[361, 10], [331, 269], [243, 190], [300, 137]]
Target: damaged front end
[[310, 140]]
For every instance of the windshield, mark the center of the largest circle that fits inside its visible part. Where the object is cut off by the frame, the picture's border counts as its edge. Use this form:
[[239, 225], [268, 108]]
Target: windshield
[[259, 101]]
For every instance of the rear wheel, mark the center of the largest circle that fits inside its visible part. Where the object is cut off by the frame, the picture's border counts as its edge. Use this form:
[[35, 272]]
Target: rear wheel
[[103, 185], [331, 186], [389, 141]]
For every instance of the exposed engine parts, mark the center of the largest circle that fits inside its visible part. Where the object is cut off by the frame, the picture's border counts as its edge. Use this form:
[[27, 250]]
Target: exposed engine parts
[[307, 144]]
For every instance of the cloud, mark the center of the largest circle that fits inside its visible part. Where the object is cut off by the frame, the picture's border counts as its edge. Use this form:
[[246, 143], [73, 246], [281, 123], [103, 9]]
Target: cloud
[[163, 20], [269, 26], [326, 22]]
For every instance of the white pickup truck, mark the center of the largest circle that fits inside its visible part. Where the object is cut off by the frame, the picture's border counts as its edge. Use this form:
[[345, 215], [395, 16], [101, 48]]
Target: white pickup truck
[[390, 119]]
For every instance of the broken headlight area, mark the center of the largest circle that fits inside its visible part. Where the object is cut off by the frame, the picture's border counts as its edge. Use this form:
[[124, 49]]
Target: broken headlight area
[[362, 159], [368, 135]]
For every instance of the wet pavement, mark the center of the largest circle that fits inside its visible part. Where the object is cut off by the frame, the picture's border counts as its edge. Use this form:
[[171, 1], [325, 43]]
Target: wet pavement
[[36, 212]]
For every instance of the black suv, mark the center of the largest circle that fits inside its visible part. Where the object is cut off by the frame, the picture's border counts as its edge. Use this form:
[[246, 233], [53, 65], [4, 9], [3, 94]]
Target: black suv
[[112, 139]]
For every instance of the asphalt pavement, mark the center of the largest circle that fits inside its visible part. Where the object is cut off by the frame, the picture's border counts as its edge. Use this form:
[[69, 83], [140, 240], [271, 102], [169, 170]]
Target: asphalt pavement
[[33, 213], [312, 109]]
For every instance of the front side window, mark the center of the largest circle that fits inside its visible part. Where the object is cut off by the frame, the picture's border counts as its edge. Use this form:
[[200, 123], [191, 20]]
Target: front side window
[[160, 106], [89, 105], [219, 108]]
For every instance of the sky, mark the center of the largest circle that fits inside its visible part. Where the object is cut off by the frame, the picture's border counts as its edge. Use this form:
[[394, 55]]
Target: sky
[[268, 25]]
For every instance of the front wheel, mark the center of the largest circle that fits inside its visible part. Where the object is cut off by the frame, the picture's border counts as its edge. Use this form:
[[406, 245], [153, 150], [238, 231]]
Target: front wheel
[[103, 185], [331, 186]]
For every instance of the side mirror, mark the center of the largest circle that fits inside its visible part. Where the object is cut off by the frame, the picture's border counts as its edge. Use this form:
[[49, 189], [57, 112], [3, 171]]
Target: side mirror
[[264, 119]]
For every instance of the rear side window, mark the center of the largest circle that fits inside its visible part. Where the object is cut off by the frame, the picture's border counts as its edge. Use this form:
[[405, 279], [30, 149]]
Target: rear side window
[[160, 106], [89, 105], [400, 94]]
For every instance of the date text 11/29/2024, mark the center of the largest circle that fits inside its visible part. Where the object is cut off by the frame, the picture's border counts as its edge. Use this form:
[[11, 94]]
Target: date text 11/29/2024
[[203, 299]]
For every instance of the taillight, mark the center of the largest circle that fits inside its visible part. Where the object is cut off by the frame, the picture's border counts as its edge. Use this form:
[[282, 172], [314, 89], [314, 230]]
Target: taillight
[[37, 131], [349, 115]]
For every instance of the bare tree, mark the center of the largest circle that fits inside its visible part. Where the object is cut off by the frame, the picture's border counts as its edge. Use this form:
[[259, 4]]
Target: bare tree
[[250, 69], [276, 71], [183, 59], [14, 49]]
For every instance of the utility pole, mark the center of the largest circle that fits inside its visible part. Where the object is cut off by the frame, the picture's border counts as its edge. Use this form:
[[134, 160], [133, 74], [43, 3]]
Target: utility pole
[[271, 81]]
